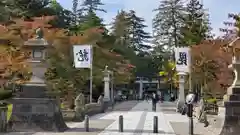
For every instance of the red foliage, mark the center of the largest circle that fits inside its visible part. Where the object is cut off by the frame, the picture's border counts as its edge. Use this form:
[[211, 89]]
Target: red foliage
[[213, 50]]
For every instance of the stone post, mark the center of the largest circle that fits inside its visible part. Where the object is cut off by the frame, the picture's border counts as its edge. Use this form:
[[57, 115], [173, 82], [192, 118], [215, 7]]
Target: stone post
[[181, 96], [79, 106], [106, 79], [141, 89], [106, 87], [232, 101], [3, 119]]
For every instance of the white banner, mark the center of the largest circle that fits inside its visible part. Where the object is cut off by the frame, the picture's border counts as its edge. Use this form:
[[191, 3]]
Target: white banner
[[182, 57], [82, 56]]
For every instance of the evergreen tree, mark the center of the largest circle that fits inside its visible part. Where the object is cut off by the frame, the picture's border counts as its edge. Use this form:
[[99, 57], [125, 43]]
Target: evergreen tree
[[138, 36], [91, 20], [92, 6], [196, 24], [167, 22], [29, 8], [4, 12], [88, 17], [74, 9], [120, 28], [64, 17]]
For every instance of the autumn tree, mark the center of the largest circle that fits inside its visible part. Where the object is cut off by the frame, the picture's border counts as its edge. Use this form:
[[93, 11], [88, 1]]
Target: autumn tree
[[209, 65], [14, 68], [62, 75]]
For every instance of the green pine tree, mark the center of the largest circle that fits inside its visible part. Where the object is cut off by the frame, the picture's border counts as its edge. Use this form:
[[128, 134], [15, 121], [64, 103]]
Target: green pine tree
[[92, 6], [64, 17], [91, 20], [167, 23], [138, 36], [4, 12], [29, 8], [196, 24], [75, 10], [120, 28]]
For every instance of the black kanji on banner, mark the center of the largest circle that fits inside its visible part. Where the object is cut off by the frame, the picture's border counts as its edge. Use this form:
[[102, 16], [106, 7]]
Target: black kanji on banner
[[182, 60], [82, 55]]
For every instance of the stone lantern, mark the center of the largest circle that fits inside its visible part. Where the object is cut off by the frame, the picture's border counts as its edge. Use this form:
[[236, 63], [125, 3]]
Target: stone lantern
[[108, 98], [36, 86], [33, 109], [232, 102]]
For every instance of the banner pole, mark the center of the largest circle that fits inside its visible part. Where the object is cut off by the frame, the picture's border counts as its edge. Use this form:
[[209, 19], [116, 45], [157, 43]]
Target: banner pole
[[91, 76], [190, 71]]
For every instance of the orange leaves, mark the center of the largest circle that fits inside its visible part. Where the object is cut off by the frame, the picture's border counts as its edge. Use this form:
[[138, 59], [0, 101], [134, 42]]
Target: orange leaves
[[12, 61], [90, 36], [36, 22], [13, 57], [210, 59], [209, 51]]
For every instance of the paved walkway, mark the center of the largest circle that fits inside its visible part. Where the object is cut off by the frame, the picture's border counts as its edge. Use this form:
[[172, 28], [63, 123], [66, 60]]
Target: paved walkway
[[138, 120]]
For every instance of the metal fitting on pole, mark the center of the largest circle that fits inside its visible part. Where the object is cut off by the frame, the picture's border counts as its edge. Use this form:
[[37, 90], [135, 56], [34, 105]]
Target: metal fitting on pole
[[120, 123], [190, 114], [86, 123], [190, 98], [155, 124]]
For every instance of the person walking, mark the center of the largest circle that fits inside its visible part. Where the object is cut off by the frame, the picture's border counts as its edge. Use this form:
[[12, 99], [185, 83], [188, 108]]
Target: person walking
[[154, 101], [172, 99]]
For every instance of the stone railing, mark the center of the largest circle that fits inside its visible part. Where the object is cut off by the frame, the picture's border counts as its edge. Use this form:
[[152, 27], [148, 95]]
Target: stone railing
[[78, 114], [93, 108]]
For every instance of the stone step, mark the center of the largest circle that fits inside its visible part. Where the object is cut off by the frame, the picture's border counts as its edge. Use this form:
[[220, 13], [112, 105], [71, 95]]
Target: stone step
[[236, 90], [234, 97]]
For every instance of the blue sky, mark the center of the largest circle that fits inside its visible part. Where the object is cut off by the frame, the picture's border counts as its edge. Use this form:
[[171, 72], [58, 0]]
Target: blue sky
[[218, 10]]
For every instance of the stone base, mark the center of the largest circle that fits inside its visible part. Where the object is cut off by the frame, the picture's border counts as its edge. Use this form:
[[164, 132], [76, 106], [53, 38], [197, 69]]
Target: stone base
[[36, 115], [106, 104], [232, 112], [180, 105], [232, 118]]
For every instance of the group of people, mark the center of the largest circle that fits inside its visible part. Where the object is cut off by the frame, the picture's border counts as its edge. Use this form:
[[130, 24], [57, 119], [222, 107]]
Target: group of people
[[159, 97]]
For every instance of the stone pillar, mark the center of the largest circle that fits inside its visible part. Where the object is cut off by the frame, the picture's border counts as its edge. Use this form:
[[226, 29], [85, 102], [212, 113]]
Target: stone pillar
[[232, 104], [181, 94], [106, 98], [3, 119], [79, 107], [106, 88], [140, 89]]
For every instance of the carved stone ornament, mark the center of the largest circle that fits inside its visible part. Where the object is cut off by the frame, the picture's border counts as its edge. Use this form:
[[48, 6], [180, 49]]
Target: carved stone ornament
[[39, 33]]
